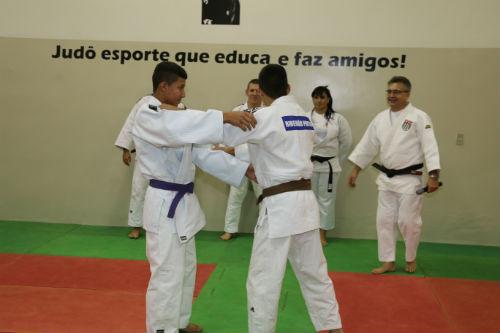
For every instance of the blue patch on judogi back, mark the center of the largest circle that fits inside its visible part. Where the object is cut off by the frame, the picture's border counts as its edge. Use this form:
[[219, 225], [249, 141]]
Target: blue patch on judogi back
[[297, 123]]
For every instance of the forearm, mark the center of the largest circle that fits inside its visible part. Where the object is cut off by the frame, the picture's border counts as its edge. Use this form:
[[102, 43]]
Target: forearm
[[220, 165]]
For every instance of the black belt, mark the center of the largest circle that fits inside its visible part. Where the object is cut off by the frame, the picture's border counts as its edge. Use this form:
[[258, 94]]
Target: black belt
[[322, 159], [411, 170], [294, 185], [181, 189]]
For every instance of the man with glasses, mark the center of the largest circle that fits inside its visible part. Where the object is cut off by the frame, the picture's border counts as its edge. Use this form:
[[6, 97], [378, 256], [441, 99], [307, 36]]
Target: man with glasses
[[403, 137]]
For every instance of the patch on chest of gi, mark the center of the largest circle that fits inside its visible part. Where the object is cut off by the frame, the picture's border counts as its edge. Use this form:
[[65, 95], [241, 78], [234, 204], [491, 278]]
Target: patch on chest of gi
[[183, 238], [153, 107], [297, 123], [406, 124], [427, 126]]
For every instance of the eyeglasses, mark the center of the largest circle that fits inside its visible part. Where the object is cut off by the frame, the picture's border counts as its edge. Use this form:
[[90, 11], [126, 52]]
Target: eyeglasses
[[395, 92]]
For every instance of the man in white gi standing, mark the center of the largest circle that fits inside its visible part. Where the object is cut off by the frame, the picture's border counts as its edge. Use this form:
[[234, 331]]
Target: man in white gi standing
[[280, 148], [167, 152], [404, 137], [237, 194]]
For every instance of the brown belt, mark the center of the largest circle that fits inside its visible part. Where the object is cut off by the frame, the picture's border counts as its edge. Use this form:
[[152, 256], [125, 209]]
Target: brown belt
[[294, 185]]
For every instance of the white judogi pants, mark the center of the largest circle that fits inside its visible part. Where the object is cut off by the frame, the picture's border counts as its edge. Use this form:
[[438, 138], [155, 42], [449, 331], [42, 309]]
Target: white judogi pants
[[170, 291], [403, 210], [326, 200], [139, 187], [234, 202], [267, 269]]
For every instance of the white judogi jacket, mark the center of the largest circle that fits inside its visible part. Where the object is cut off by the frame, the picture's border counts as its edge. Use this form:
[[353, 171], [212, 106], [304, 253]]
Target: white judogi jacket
[[280, 148], [409, 140], [125, 138], [164, 151], [332, 138]]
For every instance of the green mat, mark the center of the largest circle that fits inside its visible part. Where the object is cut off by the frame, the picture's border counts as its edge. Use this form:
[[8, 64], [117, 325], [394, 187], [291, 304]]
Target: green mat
[[343, 255], [225, 289]]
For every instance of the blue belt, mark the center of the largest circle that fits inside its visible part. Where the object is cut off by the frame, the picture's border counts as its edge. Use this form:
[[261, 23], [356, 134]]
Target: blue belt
[[181, 189]]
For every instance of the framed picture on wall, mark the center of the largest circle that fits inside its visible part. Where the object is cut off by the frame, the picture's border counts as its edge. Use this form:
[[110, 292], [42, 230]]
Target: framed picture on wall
[[220, 12]]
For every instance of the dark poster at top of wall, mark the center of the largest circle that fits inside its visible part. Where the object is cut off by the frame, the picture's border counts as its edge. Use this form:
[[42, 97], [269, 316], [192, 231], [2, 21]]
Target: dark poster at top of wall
[[220, 12]]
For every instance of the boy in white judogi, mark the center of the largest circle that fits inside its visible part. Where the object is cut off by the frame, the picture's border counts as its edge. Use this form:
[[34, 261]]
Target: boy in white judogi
[[280, 149], [404, 137], [139, 183], [172, 214]]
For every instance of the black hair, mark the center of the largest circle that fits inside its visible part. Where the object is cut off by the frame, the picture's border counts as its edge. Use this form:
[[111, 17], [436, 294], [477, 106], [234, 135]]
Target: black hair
[[168, 72], [323, 90], [252, 81], [401, 79], [273, 81]]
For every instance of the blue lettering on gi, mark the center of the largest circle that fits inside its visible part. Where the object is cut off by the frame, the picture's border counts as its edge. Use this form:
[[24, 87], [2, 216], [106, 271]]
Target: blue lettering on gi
[[297, 123]]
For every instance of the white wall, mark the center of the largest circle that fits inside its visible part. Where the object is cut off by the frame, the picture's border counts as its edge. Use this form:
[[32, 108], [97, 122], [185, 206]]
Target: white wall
[[60, 118], [367, 23]]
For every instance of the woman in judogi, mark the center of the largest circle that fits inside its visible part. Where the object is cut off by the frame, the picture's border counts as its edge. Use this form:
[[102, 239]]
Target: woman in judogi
[[332, 140]]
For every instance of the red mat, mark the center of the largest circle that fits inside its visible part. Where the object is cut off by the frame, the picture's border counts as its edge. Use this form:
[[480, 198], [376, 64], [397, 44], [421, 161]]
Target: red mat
[[49, 294], [389, 304], [474, 306], [82, 273], [64, 310], [407, 304]]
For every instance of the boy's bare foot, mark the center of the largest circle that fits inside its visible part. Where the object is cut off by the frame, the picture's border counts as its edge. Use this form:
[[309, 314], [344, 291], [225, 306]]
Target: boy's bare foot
[[226, 236], [322, 237], [386, 267], [191, 328], [135, 233], [411, 266]]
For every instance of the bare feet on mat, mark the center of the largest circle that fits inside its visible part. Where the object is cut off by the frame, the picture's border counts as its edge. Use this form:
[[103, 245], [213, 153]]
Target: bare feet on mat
[[191, 328], [135, 233], [411, 266], [386, 267], [226, 236], [322, 237]]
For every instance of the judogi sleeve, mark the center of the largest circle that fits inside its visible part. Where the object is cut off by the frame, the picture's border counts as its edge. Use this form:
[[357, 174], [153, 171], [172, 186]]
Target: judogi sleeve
[[125, 139], [429, 144], [176, 128], [234, 136], [367, 148], [219, 164], [345, 138]]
